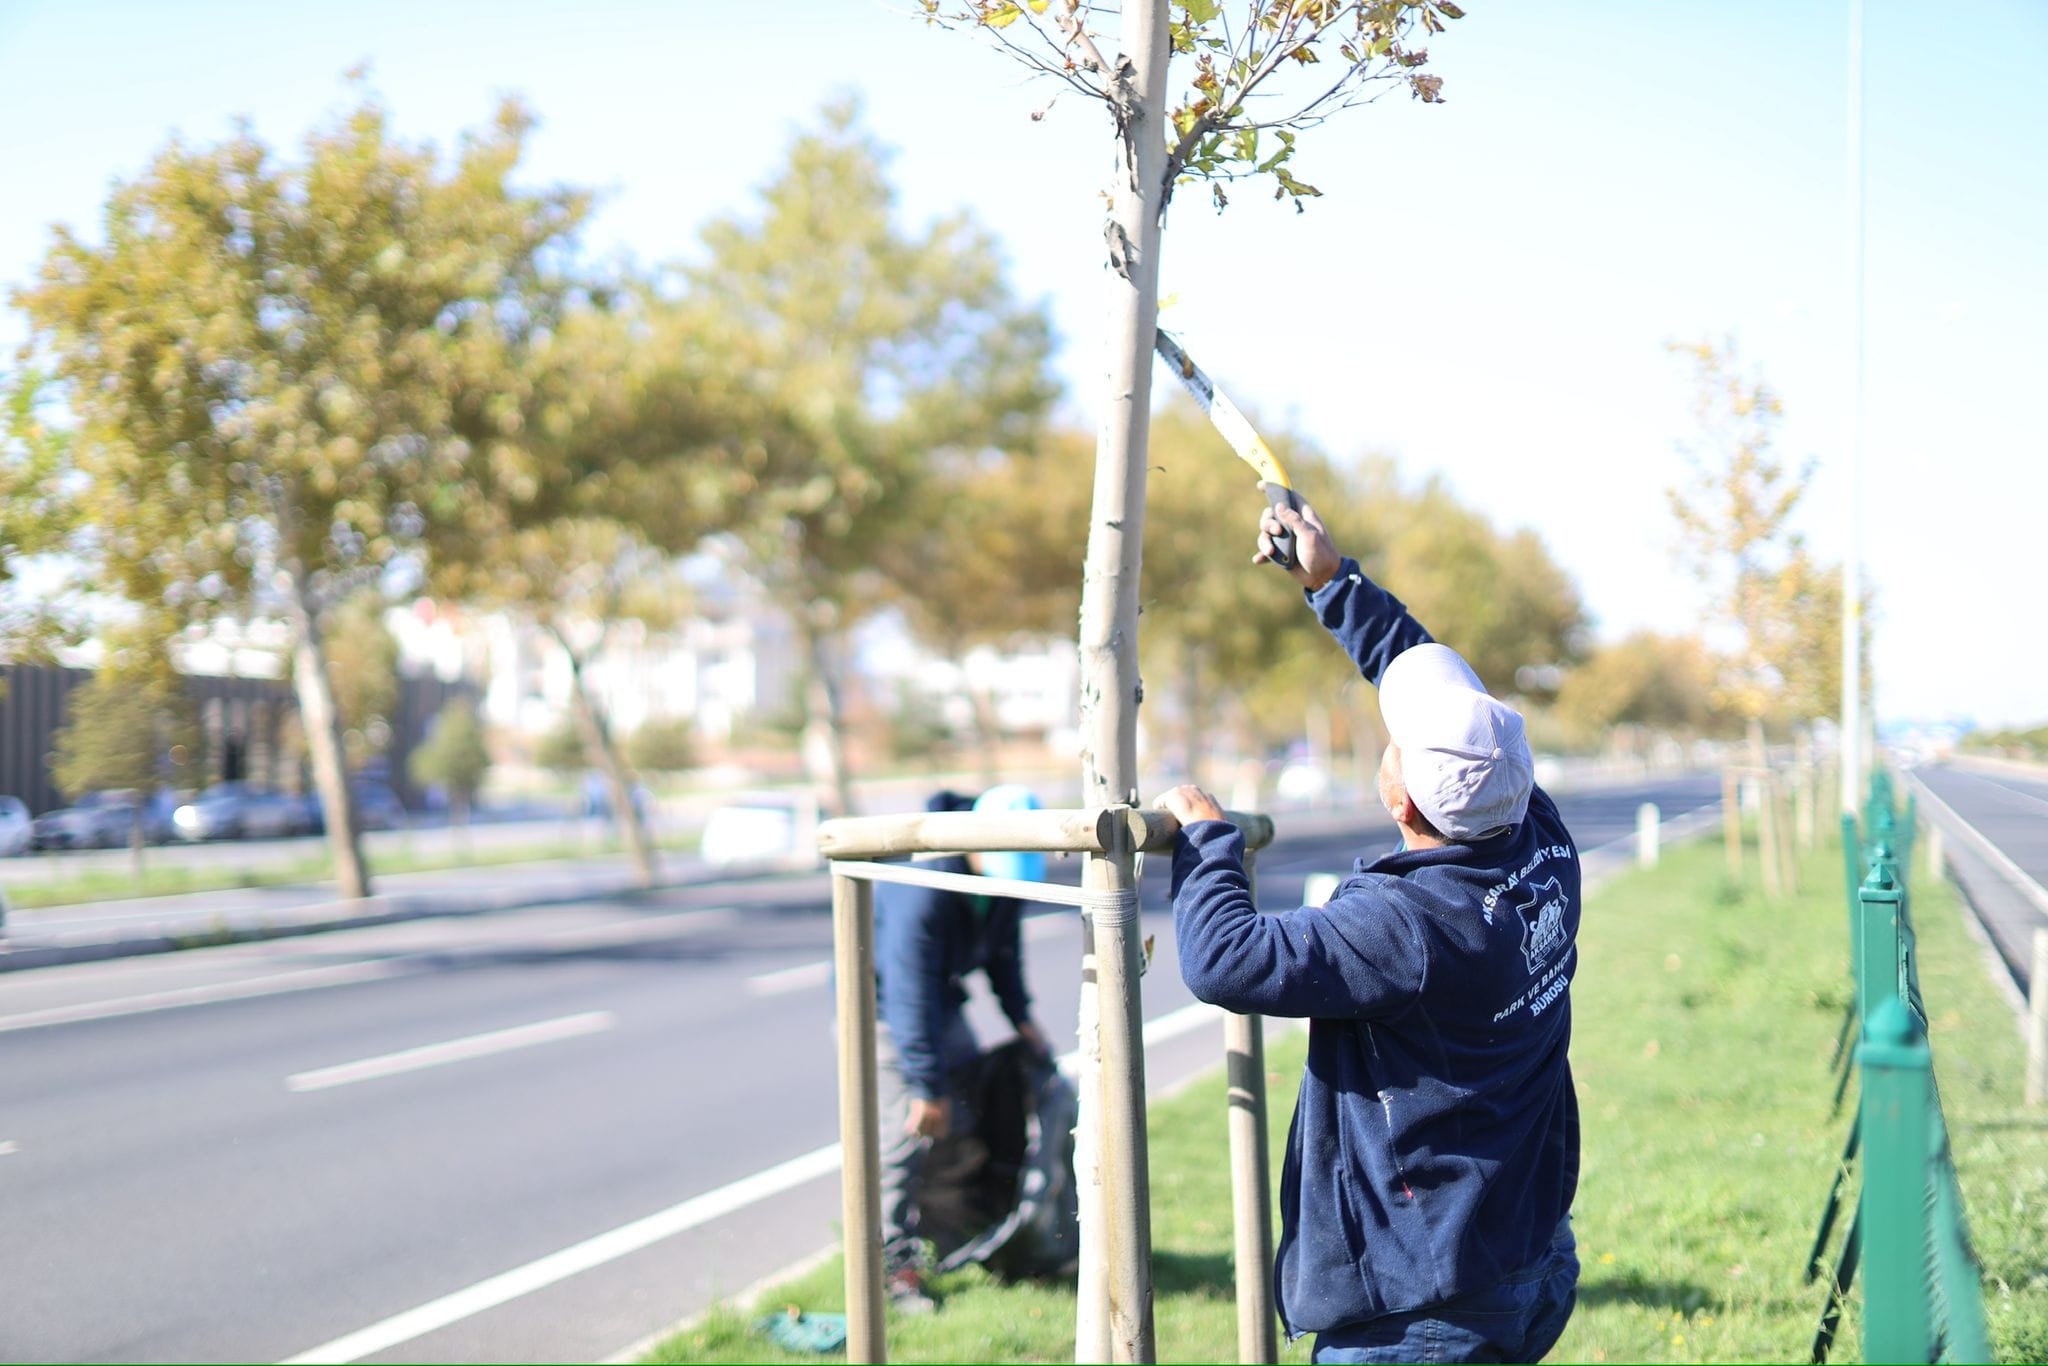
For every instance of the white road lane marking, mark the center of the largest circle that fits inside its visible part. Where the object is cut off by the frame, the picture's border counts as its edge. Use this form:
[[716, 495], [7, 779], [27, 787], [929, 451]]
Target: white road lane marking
[[305, 979], [798, 978], [641, 1233], [402, 965], [454, 1050], [2002, 789], [8, 1146]]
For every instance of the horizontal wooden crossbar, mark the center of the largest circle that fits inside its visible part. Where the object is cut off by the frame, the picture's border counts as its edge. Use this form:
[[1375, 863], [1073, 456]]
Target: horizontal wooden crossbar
[[1099, 831]]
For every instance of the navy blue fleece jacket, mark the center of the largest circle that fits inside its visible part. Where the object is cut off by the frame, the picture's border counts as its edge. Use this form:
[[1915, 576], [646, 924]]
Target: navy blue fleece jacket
[[926, 940], [1435, 1144]]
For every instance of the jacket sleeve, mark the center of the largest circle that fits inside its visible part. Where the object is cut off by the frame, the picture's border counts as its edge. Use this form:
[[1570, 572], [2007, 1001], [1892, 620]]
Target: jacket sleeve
[[910, 963], [1357, 959], [1368, 621], [1006, 960]]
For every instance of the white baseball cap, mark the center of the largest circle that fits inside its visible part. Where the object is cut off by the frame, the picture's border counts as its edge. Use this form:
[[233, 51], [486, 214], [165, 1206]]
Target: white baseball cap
[[1464, 755]]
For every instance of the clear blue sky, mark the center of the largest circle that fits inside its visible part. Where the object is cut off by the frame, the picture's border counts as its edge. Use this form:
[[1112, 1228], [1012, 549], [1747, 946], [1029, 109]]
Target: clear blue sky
[[1484, 292]]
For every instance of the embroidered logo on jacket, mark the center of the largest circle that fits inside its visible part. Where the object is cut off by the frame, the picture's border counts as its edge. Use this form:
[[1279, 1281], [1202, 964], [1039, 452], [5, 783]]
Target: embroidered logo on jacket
[[1542, 916]]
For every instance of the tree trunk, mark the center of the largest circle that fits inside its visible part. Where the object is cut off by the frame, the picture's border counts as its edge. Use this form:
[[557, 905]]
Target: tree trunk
[[1113, 1319], [986, 737], [824, 742], [599, 749], [320, 719]]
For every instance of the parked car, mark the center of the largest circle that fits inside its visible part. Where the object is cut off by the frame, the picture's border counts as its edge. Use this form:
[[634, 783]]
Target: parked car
[[17, 828], [100, 820], [238, 810], [377, 808]]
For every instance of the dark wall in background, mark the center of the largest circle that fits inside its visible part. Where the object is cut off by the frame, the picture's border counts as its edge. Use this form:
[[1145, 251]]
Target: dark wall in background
[[243, 721]]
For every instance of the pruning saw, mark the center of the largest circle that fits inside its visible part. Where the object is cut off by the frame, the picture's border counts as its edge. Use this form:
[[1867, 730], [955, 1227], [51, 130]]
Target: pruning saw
[[1231, 424]]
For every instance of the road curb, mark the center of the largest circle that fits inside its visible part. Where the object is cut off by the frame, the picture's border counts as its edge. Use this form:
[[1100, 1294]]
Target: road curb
[[314, 918]]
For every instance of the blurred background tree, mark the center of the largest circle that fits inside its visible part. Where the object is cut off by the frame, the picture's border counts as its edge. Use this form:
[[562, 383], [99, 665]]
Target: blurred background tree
[[453, 757], [284, 372], [879, 349], [362, 657], [580, 579], [130, 726], [38, 514], [1655, 682], [998, 563], [663, 745]]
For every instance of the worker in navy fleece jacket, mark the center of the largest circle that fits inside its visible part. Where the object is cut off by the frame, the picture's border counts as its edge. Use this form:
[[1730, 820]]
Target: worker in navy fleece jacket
[[926, 941], [1435, 1148]]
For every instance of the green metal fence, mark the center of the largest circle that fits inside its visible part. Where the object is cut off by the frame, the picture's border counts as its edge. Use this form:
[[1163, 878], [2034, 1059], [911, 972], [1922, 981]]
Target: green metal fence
[[1922, 1288]]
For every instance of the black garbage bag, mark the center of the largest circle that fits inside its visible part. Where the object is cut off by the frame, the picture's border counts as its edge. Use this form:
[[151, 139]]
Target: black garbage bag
[[1002, 1193]]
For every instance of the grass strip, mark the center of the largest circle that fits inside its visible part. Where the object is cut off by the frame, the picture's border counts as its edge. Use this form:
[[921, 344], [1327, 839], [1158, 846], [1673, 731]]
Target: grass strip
[[110, 885], [1704, 1020]]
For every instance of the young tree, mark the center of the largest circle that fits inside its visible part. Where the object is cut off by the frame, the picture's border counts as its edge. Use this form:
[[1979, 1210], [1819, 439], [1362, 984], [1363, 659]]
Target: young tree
[[285, 373], [579, 579], [1735, 521], [1252, 71], [130, 726], [453, 757], [877, 351]]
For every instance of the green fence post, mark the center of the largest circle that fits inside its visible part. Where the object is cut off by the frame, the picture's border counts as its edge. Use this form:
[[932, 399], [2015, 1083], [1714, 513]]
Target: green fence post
[[1877, 936], [1897, 1096]]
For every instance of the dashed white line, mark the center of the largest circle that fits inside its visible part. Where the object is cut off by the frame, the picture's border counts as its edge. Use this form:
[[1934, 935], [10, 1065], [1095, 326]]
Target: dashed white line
[[8, 1146], [454, 1050], [407, 964], [629, 1238], [305, 979], [790, 979]]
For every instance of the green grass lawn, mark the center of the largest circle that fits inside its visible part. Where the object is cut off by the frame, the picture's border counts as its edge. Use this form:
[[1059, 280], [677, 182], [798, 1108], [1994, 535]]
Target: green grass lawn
[[1704, 1019]]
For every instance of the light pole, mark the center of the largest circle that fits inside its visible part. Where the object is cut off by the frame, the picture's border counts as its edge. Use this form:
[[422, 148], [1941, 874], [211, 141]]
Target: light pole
[[1852, 576]]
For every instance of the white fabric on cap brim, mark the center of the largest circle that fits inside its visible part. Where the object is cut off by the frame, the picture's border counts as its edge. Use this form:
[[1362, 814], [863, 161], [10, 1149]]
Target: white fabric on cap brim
[[1465, 756]]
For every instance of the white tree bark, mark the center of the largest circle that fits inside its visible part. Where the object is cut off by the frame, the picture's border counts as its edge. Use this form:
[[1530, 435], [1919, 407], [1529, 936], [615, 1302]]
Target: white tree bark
[[1114, 1314]]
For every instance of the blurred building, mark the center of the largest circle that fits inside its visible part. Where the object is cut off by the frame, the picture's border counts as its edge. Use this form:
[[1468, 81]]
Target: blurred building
[[734, 657]]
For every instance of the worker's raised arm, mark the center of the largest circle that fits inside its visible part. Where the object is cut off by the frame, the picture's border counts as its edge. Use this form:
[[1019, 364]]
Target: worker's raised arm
[[1367, 620]]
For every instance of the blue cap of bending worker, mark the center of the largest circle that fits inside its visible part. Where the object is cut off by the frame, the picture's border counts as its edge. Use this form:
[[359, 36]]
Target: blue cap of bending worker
[[1015, 866]]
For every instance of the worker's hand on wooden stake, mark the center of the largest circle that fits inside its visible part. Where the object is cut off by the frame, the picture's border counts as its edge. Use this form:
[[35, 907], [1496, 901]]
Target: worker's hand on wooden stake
[[1315, 558], [1188, 804]]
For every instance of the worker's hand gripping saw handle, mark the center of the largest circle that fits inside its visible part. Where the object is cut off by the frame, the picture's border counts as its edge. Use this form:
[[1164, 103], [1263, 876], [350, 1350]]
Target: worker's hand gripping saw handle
[[1280, 496]]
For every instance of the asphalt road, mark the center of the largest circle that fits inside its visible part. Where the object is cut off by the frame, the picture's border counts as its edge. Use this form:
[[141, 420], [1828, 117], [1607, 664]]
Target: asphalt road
[[534, 1135], [2009, 810]]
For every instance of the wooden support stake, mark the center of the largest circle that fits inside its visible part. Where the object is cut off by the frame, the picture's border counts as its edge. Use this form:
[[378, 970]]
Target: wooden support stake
[[1731, 821], [1244, 1060], [1126, 1166], [2037, 1022], [1788, 845], [860, 1180], [1767, 852]]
